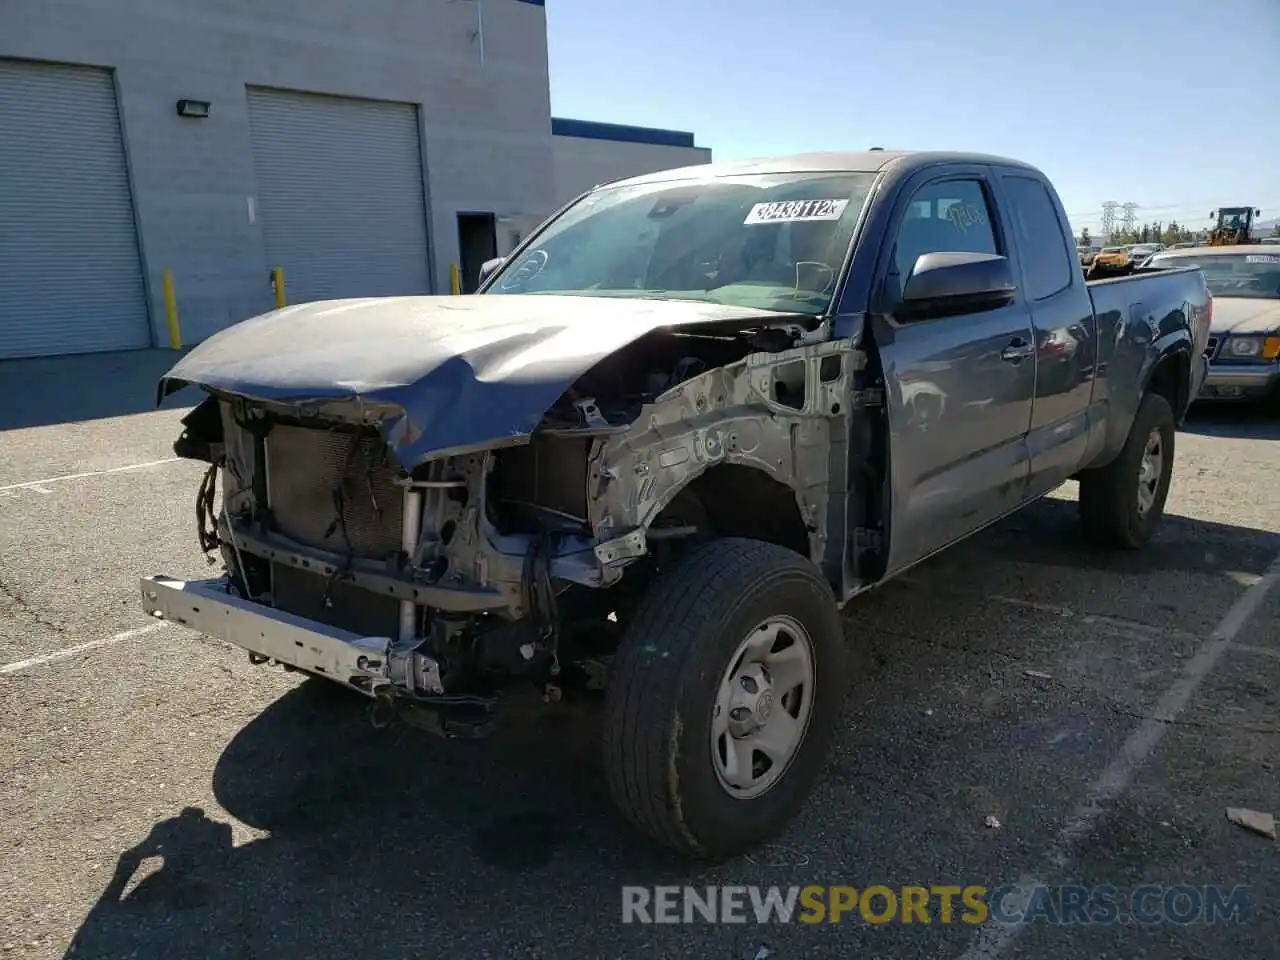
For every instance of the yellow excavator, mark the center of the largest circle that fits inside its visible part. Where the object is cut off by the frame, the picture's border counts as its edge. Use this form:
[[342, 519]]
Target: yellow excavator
[[1232, 226]]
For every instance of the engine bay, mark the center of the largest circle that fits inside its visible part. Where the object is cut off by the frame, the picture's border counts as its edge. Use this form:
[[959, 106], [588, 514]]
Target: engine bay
[[612, 392]]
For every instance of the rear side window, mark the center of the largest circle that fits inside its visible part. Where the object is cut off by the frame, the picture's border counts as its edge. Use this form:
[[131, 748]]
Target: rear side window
[[1041, 238]]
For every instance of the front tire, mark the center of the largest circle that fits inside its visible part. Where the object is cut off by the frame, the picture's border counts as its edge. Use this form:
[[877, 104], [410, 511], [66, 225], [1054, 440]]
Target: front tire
[[1122, 504], [725, 694]]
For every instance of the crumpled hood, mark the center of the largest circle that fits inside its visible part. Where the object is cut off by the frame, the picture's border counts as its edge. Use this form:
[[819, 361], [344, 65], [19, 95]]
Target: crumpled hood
[[1245, 315], [458, 371]]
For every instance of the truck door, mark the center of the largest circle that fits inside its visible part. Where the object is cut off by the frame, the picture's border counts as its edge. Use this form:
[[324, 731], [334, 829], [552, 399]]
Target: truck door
[[958, 386], [1065, 329]]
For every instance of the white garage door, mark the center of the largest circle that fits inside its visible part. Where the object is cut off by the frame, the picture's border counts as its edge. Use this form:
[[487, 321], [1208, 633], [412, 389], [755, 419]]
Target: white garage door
[[70, 276], [340, 194]]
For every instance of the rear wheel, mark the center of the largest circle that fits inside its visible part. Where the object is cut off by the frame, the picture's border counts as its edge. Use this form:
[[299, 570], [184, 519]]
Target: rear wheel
[[724, 697], [1122, 504]]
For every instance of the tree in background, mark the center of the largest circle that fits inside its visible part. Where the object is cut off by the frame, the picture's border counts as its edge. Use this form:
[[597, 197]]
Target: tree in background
[[1154, 232], [1086, 240], [1176, 233]]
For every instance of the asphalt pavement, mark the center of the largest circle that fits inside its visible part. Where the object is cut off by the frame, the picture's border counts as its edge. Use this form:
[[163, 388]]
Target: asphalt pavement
[[1032, 712]]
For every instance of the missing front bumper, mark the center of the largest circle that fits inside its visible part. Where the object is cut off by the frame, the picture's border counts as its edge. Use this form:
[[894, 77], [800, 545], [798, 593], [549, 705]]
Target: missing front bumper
[[374, 666]]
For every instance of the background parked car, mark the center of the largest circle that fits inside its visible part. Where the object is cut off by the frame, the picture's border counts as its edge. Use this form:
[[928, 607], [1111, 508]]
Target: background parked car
[[1244, 335], [1140, 252]]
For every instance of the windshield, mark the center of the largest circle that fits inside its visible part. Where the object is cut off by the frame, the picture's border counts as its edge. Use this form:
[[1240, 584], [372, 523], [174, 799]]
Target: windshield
[[773, 242], [1254, 275], [1233, 218]]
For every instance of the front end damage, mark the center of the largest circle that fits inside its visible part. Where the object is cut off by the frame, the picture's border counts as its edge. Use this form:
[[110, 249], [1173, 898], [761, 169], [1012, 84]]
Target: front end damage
[[444, 580]]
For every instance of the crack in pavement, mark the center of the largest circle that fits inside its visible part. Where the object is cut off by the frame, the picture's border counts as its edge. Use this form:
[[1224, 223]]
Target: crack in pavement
[[29, 611]]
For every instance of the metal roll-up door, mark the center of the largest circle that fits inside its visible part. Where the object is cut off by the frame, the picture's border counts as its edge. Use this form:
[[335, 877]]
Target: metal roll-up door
[[340, 194], [70, 274]]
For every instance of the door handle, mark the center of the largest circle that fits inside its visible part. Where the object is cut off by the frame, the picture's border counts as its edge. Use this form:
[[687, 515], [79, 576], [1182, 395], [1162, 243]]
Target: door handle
[[1017, 351]]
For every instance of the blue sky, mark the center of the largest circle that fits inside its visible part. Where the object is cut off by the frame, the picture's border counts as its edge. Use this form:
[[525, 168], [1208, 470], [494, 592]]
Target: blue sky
[[1159, 102]]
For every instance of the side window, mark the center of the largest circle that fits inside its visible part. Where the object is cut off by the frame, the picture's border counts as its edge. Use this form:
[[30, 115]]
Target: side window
[[1042, 241], [950, 216]]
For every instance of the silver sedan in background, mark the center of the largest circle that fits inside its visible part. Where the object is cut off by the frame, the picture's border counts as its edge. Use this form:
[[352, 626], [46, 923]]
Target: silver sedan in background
[[1244, 336]]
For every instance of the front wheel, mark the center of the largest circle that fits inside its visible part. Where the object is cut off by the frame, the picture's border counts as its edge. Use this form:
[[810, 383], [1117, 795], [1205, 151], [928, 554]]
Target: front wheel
[[1122, 504], [725, 694]]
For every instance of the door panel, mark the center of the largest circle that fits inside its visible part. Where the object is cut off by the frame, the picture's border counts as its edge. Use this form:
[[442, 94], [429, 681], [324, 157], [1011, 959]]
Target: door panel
[[1066, 338], [959, 389], [958, 415]]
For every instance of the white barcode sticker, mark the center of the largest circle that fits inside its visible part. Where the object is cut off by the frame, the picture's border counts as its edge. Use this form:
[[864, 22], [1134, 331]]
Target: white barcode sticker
[[1262, 258], [792, 211]]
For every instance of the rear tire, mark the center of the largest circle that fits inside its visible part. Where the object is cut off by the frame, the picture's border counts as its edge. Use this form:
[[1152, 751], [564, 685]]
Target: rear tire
[[1122, 503], [729, 612]]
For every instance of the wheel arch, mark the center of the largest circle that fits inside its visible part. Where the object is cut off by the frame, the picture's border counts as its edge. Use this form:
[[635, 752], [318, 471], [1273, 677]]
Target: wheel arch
[[742, 500], [1169, 375]]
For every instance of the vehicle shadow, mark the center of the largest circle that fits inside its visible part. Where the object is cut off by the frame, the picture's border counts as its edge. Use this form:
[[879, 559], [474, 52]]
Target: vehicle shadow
[[395, 843], [381, 842], [89, 386], [1253, 421], [1049, 533]]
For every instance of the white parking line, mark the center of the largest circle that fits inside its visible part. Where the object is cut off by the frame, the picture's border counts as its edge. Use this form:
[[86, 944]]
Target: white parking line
[[66, 652], [39, 485], [1134, 752]]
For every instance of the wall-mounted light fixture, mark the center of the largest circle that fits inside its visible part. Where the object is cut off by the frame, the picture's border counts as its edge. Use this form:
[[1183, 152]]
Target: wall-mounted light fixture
[[199, 109]]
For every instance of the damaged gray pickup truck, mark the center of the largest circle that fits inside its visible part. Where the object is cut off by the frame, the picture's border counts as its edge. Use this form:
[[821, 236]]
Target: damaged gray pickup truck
[[690, 417]]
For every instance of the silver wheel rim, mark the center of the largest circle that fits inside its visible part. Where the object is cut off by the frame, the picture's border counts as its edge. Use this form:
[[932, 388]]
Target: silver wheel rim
[[1149, 471], [762, 708]]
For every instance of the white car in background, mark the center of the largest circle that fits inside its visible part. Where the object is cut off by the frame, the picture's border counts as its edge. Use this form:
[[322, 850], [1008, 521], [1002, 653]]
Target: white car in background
[[1244, 330], [1139, 253]]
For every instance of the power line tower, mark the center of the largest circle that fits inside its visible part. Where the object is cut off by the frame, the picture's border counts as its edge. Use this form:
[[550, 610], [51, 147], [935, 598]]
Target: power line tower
[[1129, 222], [1108, 220]]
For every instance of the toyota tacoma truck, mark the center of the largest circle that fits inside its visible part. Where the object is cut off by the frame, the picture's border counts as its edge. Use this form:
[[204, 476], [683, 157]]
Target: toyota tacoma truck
[[672, 434]]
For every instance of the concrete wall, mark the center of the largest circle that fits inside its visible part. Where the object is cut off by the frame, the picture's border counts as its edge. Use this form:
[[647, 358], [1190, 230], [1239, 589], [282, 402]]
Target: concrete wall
[[581, 163], [487, 146]]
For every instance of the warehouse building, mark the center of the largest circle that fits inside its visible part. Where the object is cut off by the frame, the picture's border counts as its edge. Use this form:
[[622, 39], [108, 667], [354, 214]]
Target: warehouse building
[[195, 146]]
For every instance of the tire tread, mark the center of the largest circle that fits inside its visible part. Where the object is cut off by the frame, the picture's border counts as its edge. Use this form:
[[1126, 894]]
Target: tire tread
[[679, 607], [1107, 494]]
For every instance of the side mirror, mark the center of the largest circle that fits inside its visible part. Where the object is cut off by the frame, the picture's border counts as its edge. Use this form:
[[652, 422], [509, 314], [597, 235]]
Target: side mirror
[[490, 267], [958, 283]]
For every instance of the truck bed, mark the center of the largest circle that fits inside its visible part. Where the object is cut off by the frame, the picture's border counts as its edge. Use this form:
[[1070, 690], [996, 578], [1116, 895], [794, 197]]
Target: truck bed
[[1163, 300]]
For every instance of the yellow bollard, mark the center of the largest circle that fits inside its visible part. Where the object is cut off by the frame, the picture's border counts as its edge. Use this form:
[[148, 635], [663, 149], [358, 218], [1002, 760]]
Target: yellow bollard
[[171, 311], [277, 281], [455, 279]]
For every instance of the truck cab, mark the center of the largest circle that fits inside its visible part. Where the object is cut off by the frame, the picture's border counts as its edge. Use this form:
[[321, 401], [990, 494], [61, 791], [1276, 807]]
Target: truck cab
[[1010, 340]]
